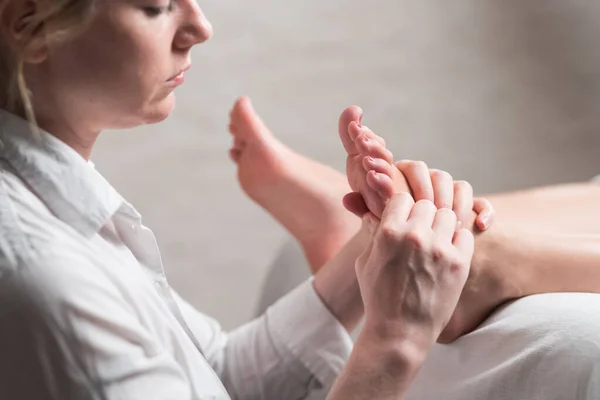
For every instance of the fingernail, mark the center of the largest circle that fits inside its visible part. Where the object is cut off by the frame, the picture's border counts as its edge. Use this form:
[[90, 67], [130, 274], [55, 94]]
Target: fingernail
[[370, 159]]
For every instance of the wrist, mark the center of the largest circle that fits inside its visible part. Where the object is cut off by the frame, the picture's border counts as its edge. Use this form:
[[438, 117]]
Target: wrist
[[337, 286], [378, 369], [398, 355]]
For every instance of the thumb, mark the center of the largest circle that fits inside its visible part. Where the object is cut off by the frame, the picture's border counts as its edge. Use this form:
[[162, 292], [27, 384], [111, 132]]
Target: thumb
[[371, 222]]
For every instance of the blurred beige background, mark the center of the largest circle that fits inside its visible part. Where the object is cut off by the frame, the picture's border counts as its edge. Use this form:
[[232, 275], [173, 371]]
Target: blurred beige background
[[505, 94]]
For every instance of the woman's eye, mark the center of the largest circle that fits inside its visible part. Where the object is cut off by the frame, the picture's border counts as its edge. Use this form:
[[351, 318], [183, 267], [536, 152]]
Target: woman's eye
[[153, 11], [156, 11]]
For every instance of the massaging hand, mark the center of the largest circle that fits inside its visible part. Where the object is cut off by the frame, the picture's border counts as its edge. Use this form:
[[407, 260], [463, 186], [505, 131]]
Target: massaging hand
[[413, 271], [481, 294]]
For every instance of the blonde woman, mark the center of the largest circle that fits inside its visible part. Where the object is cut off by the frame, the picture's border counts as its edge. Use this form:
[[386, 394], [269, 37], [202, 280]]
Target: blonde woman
[[72, 68]]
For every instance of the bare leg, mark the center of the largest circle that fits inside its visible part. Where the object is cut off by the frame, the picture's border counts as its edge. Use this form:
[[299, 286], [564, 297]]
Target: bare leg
[[303, 195]]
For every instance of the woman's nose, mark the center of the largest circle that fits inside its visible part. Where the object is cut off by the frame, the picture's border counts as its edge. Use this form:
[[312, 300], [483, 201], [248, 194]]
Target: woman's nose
[[195, 28]]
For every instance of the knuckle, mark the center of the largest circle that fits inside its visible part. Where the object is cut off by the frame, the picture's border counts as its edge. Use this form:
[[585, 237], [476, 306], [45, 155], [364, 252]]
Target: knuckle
[[445, 255], [455, 266], [389, 233], [455, 263], [414, 239], [438, 253]]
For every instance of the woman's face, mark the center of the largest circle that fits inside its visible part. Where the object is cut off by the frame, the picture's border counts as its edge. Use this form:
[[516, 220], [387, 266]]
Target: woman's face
[[122, 70]]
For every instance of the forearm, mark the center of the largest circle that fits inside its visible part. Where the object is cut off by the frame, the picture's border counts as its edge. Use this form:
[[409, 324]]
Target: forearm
[[337, 286], [377, 369]]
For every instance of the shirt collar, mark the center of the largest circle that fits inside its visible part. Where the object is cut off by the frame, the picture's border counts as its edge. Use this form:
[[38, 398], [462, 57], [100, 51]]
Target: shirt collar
[[69, 186]]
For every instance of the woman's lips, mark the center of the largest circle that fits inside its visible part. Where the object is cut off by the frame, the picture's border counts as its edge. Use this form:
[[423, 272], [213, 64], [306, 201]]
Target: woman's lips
[[179, 78]]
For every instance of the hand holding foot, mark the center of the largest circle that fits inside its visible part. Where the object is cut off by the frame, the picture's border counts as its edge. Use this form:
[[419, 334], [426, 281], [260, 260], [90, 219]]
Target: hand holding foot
[[375, 179]]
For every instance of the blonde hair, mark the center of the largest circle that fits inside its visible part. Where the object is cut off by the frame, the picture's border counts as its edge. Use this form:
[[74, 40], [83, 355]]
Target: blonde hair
[[50, 21]]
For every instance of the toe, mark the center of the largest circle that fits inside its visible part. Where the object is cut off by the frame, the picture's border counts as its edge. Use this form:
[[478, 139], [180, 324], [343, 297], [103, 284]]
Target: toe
[[355, 203], [356, 130], [370, 147], [350, 114], [235, 155], [244, 120], [382, 184], [378, 165]]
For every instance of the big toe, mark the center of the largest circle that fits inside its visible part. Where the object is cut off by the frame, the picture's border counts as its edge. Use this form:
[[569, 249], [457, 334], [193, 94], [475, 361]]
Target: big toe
[[349, 115], [245, 122]]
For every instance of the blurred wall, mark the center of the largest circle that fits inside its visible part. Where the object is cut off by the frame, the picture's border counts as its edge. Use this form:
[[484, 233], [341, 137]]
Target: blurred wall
[[505, 94]]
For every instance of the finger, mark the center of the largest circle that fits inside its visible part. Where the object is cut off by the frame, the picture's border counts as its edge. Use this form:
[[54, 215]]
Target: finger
[[378, 165], [397, 211], [444, 225], [355, 203], [419, 180], [371, 147], [463, 200], [485, 213], [465, 243], [350, 114], [423, 214], [443, 188], [382, 184], [371, 222]]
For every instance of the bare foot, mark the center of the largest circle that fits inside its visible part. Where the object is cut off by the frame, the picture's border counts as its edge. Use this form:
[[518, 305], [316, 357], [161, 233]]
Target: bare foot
[[303, 195], [370, 171]]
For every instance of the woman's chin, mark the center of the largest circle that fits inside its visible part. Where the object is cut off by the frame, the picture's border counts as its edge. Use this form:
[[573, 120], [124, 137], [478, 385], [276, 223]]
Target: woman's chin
[[160, 110], [149, 113]]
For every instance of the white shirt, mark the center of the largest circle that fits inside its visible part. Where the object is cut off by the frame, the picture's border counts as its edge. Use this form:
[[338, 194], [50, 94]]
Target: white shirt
[[67, 233]]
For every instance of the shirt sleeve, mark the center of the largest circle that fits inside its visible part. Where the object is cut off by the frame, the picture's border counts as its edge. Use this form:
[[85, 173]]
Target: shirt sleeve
[[296, 347]]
